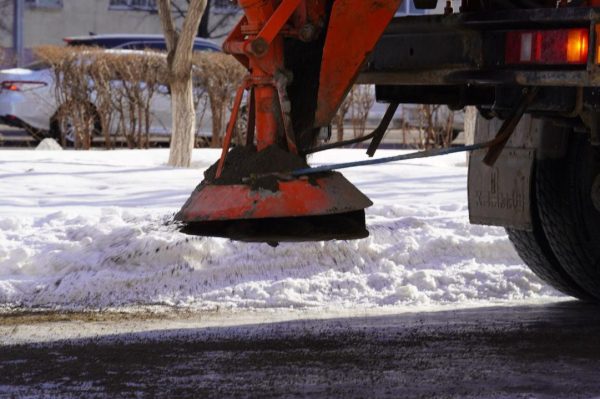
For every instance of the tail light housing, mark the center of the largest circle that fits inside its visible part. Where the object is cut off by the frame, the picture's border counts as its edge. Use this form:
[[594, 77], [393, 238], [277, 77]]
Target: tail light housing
[[548, 47], [21, 85]]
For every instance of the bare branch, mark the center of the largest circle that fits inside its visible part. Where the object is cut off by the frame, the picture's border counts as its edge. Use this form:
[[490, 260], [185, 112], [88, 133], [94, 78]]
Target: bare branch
[[179, 11], [166, 20], [183, 54], [221, 22]]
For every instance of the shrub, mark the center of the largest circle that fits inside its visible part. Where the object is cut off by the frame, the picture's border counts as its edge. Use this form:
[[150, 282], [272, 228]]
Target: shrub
[[220, 75], [76, 114]]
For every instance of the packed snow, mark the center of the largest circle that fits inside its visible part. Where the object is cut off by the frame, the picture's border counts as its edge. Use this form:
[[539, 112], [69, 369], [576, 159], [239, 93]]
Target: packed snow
[[89, 230], [48, 144]]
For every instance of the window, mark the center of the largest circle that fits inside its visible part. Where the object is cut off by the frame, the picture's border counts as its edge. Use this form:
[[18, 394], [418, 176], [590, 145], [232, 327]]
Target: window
[[224, 6], [44, 3], [142, 5], [408, 8]]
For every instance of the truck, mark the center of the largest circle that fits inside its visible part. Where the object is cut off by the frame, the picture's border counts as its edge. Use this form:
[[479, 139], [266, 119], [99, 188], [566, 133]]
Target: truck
[[530, 67]]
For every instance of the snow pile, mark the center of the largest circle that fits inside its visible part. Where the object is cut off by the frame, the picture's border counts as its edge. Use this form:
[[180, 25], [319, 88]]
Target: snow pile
[[48, 144], [64, 245]]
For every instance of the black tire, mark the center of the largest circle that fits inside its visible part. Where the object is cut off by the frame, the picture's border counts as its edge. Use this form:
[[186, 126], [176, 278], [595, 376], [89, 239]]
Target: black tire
[[568, 216], [534, 249], [55, 131]]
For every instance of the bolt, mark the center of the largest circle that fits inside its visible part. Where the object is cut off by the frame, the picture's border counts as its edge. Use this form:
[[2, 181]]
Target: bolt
[[259, 46], [308, 33]]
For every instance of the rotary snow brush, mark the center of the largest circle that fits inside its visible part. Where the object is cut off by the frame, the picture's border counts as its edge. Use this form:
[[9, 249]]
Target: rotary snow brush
[[302, 56]]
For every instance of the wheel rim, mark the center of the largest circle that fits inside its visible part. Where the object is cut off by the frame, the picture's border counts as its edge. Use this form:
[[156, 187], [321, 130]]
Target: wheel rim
[[67, 129]]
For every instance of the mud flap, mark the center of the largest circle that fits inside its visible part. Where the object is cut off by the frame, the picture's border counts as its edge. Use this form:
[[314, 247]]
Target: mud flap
[[500, 195]]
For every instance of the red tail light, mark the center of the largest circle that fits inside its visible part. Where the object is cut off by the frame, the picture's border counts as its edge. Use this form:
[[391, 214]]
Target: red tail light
[[549, 47], [21, 85]]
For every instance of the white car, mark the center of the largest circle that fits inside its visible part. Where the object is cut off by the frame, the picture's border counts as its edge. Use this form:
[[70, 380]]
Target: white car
[[27, 100]]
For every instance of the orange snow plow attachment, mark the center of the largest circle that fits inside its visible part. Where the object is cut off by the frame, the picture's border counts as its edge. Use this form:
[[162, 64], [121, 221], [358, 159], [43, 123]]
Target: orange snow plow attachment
[[295, 211], [303, 56]]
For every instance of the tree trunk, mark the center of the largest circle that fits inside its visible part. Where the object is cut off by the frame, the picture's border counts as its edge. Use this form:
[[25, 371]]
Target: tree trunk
[[182, 109], [339, 123], [219, 124], [180, 46], [470, 122]]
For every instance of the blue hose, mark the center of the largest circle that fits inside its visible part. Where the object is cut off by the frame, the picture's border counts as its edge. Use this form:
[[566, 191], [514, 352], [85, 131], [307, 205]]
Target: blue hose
[[414, 155]]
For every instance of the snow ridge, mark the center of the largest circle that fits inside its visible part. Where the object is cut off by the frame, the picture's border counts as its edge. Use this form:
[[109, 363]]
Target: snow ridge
[[81, 230], [116, 259]]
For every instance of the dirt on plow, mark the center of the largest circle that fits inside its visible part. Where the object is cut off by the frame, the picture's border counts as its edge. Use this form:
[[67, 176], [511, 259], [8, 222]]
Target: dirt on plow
[[246, 162]]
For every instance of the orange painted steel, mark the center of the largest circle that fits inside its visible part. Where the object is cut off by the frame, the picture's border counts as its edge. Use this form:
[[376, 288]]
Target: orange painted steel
[[277, 21], [349, 33], [354, 28], [258, 13], [331, 194], [231, 126], [257, 44]]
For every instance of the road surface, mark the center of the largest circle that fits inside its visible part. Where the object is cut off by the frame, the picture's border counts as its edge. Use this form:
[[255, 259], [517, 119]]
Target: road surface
[[548, 351]]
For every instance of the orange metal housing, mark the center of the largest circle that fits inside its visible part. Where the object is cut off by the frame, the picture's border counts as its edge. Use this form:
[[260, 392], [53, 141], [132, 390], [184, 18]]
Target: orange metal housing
[[354, 28], [326, 195], [337, 45]]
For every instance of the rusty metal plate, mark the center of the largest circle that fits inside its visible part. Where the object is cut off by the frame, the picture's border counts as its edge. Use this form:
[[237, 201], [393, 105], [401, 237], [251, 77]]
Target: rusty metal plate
[[500, 195], [326, 195]]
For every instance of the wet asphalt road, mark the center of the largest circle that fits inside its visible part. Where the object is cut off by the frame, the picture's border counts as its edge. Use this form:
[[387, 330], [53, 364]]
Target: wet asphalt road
[[548, 351]]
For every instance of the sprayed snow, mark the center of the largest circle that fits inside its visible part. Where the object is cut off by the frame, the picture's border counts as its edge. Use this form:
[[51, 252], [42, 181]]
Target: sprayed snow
[[48, 144], [90, 230]]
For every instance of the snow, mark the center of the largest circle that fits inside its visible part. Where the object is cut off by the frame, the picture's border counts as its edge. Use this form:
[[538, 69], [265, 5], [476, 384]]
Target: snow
[[89, 230], [48, 144]]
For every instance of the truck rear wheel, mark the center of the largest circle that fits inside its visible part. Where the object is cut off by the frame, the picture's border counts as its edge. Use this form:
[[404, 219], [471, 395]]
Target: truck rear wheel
[[568, 194], [534, 249]]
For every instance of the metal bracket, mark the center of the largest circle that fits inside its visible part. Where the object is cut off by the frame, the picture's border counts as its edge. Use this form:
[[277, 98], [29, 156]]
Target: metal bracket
[[509, 125]]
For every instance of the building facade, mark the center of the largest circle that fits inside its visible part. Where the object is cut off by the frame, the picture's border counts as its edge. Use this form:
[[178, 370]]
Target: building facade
[[49, 21]]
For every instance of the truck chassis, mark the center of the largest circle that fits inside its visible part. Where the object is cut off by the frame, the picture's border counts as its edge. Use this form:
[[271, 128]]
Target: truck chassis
[[544, 187]]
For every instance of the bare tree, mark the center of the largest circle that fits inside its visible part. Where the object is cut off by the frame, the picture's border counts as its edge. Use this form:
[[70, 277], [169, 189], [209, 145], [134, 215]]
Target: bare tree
[[341, 115], [358, 103], [75, 119], [179, 64], [5, 29], [220, 75], [5, 16], [218, 26], [363, 99]]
